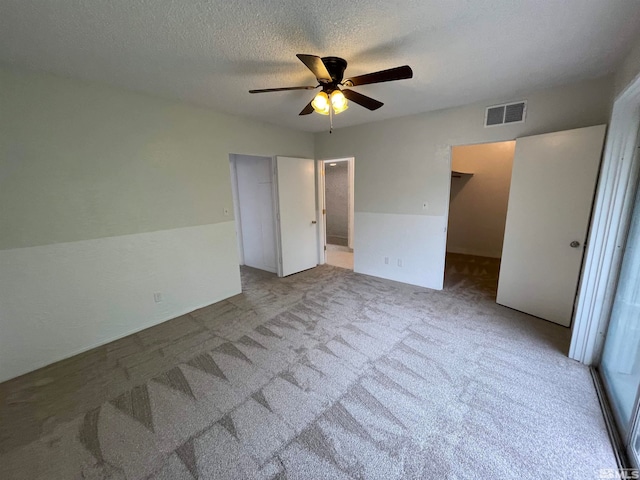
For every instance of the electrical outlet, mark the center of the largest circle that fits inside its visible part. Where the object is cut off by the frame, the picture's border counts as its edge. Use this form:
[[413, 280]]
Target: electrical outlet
[[399, 262], [386, 260], [157, 297]]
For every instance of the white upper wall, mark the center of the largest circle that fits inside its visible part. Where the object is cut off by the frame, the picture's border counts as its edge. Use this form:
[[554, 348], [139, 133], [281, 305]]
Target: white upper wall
[[404, 163]]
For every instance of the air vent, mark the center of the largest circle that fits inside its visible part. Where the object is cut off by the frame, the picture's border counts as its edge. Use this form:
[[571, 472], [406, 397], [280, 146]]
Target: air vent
[[506, 113]]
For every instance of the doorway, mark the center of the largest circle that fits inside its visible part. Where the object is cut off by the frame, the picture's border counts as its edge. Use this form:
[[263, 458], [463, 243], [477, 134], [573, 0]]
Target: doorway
[[337, 187], [252, 185], [479, 195], [274, 202]]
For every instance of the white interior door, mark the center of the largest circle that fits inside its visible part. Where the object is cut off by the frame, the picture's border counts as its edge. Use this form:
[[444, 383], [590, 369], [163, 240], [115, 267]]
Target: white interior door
[[297, 214], [552, 187]]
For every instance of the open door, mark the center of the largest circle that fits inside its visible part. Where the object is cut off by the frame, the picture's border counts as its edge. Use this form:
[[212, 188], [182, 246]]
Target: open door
[[297, 222], [552, 189]]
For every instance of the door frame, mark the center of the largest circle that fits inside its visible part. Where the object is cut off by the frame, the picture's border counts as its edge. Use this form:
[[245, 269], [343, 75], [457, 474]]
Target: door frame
[[608, 230], [233, 171], [322, 206], [276, 213]]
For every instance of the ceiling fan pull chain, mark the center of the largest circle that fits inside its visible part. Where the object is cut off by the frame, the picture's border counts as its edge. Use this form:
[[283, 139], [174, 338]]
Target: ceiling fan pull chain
[[330, 120]]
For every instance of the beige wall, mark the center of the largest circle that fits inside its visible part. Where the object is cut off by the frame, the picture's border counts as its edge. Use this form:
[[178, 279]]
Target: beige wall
[[478, 205], [404, 163], [81, 160]]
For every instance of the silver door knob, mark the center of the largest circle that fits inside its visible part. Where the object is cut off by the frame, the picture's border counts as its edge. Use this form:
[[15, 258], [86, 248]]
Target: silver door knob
[[574, 244]]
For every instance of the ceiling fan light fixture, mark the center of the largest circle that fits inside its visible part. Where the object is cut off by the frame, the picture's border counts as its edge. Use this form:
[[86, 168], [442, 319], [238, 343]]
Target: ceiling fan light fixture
[[338, 101], [321, 103], [329, 72]]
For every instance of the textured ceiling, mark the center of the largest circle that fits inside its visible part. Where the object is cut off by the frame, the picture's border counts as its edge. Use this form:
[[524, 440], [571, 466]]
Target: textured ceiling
[[211, 52]]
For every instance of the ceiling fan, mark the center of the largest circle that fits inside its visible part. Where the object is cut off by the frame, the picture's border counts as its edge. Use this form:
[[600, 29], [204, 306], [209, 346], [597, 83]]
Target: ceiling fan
[[329, 72]]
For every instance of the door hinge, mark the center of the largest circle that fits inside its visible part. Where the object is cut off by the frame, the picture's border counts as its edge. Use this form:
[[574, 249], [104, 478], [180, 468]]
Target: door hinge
[[324, 211], [325, 248]]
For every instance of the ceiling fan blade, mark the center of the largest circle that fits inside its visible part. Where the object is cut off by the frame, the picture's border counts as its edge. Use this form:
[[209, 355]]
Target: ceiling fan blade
[[366, 102], [314, 63], [282, 89], [398, 73], [307, 110]]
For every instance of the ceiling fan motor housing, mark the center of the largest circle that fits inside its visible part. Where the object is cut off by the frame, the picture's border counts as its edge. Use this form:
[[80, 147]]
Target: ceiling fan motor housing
[[336, 67]]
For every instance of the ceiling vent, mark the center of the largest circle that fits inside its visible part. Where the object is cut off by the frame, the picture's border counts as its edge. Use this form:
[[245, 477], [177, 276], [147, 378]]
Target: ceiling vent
[[504, 114]]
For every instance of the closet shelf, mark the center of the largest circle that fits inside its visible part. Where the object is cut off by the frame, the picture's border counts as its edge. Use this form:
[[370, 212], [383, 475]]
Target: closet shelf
[[455, 174]]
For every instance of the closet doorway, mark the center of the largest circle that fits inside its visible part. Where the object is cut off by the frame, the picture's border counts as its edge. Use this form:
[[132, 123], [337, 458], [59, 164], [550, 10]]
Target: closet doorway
[[480, 181], [337, 199], [252, 182], [544, 232]]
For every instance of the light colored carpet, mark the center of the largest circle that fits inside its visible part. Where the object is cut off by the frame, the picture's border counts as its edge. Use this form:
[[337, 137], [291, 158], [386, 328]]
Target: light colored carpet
[[326, 374]]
